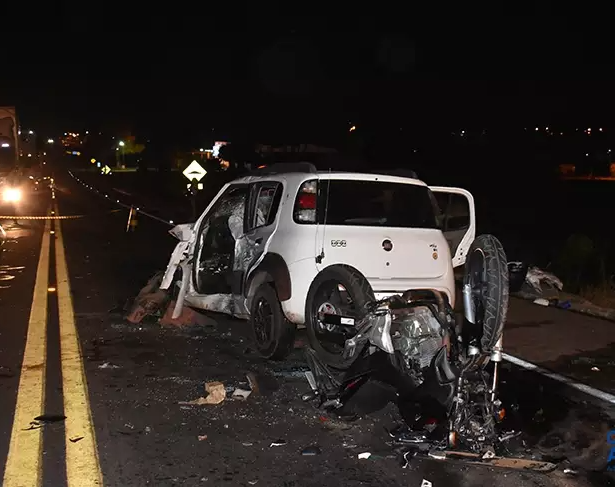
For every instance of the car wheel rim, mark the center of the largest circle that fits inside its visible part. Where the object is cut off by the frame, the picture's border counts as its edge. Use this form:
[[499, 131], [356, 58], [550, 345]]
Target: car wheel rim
[[332, 298]]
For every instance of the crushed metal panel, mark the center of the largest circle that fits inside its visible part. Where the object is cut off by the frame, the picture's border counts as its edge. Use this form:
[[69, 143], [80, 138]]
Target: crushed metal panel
[[220, 303], [183, 232]]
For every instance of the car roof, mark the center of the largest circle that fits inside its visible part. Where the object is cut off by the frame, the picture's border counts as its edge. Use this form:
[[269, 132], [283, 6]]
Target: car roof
[[299, 177]]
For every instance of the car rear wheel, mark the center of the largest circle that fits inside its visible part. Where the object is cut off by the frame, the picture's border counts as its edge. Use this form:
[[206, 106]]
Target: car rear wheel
[[273, 334], [338, 290]]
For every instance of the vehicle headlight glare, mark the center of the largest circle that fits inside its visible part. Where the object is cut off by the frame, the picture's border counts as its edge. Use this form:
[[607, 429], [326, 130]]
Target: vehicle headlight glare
[[11, 195]]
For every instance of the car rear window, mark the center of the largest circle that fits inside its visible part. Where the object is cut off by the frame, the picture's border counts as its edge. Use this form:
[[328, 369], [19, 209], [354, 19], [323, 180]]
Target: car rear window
[[374, 203]]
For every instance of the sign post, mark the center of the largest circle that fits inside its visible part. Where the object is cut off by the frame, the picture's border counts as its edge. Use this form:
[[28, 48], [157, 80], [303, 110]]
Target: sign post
[[194, 173]]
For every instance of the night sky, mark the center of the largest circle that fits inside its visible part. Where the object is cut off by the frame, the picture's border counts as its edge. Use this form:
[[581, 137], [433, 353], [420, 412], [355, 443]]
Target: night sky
[[267, 75]]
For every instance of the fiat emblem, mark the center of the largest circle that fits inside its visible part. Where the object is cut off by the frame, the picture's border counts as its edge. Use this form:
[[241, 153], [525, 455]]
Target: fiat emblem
[[387, 245]]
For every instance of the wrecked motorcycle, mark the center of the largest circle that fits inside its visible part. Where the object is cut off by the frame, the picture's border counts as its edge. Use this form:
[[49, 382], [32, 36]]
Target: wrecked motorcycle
[[443, 369]]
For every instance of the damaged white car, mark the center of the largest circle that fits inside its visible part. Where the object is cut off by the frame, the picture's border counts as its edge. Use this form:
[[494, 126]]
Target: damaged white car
[[288, 244]]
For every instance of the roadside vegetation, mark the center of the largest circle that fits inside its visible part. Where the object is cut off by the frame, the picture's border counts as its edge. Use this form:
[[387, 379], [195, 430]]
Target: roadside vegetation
[[586, 266]]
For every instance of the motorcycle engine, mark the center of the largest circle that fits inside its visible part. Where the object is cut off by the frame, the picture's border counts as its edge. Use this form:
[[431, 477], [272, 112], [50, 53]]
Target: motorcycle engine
[[418, 336]]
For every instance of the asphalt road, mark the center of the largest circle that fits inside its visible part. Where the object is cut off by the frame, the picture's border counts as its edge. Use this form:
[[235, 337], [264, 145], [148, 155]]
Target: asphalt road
[[65, 350]]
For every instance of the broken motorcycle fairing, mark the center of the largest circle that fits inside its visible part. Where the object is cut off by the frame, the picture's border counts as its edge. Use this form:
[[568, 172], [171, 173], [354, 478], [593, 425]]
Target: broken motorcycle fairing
[[411, 341]]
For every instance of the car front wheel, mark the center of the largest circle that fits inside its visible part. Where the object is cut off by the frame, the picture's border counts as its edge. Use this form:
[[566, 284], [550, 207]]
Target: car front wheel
[[273, 334]]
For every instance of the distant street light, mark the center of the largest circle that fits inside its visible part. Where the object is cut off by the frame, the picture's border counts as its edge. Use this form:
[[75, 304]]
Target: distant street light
[[352, 129], [121, 143], [50, 141], [30, 132]]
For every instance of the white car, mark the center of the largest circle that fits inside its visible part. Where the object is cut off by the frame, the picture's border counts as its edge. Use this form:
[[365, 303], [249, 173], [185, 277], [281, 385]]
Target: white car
[[286, 244]]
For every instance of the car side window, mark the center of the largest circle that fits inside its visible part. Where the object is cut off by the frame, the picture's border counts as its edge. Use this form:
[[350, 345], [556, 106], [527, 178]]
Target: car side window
[[265, 206]]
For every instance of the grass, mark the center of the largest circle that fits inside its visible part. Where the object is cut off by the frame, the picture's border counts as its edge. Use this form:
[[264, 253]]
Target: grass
[[602, 295]]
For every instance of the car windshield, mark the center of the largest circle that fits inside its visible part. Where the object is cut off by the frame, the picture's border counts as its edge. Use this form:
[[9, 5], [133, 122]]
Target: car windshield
[[375, 203]]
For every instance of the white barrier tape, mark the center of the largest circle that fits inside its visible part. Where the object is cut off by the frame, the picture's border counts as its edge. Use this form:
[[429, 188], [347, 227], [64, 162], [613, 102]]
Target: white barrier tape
[[50, 217]]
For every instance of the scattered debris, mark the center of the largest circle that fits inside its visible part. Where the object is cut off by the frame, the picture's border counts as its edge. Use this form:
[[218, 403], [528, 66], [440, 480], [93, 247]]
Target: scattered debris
[[541, 301], [108, 365], [216, 393], [44, 419], [75, 439], [6, 372], [149, 300], [202, 437], [536, 278], [251, 376], [509, 436], [311, 451], [426, 483], [278, 443], [570, 471], [187, 317], [252, 482], [241, 394], [494, 461], [406, 458], [595, 369], [50, 418], [364, 456]]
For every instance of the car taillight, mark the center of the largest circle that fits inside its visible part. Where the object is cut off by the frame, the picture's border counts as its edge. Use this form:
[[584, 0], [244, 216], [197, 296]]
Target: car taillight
[[305, 205]]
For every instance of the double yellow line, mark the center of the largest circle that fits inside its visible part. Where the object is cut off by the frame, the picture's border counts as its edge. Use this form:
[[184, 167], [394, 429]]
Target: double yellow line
[[24, 461]]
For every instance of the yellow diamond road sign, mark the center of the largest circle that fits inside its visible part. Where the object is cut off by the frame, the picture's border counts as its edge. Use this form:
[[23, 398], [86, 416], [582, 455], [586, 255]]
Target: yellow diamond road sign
[[194, 171], [106, 170]]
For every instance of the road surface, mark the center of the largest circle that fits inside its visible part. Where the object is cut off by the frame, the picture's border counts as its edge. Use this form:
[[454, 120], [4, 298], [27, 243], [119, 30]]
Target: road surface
[[108, 394]]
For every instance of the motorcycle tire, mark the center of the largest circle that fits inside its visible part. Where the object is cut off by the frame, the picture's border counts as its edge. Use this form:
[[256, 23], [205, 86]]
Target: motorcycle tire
[[360, 292], [486, 269]]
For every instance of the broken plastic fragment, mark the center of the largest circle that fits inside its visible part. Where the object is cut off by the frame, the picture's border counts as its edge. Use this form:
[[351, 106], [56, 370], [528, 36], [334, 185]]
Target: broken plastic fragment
[[364, 456], [216, 393], [407, 456], [426, 483], [311, 451], [278, 443], [241, 394], [108, 365]]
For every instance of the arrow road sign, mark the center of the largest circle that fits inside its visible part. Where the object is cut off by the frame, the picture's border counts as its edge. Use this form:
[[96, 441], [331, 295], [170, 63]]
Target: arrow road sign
[[106, 170], [194, 171]]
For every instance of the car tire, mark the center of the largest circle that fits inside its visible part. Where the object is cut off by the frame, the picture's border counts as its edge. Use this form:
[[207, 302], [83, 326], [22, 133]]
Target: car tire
[[361, 293], [486, 262], [275, 338]]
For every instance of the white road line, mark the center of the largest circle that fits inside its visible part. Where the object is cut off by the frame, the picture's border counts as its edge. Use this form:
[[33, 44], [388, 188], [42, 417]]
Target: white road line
[[592, 391]]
